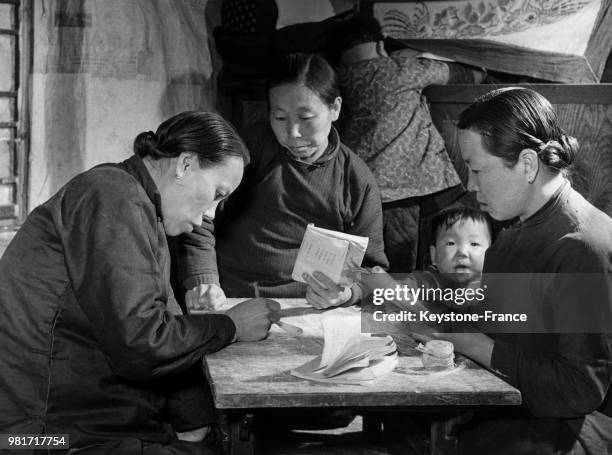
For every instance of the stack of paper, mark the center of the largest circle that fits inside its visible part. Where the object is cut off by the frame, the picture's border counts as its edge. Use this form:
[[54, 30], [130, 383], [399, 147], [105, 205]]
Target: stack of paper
[[349, 357], [330, 252]]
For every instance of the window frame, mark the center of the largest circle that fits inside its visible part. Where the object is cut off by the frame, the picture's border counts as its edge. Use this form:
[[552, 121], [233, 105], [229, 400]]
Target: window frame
[[13, 213]]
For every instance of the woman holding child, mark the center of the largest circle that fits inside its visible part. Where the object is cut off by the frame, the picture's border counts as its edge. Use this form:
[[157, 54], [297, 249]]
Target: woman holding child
[[554, 262], [518, 156]]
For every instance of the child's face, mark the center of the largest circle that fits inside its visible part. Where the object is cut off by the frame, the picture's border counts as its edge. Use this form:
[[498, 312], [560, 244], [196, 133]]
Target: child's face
[[460, 250]]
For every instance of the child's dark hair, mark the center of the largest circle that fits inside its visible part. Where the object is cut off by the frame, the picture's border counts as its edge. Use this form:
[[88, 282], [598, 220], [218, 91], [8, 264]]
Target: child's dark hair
[[449, 217], [359, 28], [205, 134], [513, 119], [309, 70]]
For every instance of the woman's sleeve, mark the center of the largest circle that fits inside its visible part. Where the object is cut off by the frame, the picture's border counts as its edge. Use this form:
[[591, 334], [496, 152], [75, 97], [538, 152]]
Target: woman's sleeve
[[367, 220], [419, 73], [112, 240], [571, 384], [195, 252], [196, 256], [574, 380]]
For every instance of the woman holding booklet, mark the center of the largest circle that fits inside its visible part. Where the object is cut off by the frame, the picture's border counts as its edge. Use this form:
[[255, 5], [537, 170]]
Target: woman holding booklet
[[518, 156], [300, 173]]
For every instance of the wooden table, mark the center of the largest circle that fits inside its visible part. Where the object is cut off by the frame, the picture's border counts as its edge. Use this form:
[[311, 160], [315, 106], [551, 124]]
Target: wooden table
[[246, 377]]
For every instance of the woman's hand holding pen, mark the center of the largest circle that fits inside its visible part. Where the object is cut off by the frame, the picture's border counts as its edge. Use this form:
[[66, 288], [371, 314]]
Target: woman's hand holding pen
[[290, 329], [253, 318]]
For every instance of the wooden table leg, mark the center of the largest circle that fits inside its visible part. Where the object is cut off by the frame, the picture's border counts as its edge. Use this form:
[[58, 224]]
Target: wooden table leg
[[237, 434], [445, 433], [372, 426]]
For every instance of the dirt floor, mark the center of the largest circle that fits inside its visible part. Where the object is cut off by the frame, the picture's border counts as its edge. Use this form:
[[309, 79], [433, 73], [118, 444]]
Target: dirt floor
[[350, 440]]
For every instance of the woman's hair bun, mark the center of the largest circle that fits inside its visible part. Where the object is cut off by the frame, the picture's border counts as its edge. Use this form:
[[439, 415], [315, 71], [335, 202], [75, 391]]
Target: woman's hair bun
[[146, 144], [559, 154], [203, 134]]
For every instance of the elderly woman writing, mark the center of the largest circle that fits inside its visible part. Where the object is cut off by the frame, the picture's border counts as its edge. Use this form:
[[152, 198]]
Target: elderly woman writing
[[517, 157], [90, 344]]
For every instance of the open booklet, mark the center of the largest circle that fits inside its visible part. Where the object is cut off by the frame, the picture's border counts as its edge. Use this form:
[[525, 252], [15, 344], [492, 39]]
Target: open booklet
[[349, 356], [330, 252]]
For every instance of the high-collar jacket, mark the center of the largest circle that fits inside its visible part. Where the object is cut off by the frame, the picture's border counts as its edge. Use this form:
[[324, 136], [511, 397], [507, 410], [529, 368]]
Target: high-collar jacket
[[87, 336]]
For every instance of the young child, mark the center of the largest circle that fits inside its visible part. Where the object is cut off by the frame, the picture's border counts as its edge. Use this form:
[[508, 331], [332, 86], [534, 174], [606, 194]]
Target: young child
[[462, 236], [386, 122]]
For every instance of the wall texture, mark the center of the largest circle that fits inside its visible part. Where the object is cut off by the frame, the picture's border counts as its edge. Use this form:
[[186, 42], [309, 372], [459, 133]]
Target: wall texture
[[104, 70]]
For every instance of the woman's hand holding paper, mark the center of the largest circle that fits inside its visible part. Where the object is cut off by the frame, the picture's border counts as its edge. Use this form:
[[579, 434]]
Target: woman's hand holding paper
[[323, 293]]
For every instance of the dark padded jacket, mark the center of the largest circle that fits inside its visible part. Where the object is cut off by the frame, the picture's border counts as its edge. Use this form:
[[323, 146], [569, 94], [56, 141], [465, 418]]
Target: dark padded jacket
[[88, 339]]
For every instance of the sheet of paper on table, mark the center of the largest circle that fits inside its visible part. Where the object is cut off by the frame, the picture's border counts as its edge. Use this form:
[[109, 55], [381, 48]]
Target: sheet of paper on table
[[297, 312]]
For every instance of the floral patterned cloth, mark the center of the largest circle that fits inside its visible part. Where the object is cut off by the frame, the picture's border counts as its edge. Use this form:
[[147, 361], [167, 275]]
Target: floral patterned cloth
[[386, 121]]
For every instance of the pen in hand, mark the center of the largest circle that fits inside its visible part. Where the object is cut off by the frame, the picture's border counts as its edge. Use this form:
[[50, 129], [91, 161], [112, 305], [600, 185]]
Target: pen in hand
[[290, 329]]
